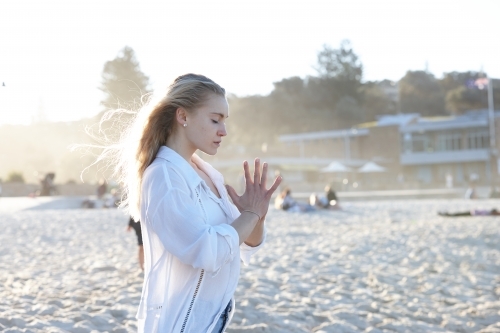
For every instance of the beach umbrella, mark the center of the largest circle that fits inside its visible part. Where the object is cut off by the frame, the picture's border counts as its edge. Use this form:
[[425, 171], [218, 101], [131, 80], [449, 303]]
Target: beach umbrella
[[371, 167], [336, 167]]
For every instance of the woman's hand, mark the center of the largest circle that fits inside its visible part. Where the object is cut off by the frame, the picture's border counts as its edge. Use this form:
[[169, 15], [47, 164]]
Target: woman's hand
[[256, 197]]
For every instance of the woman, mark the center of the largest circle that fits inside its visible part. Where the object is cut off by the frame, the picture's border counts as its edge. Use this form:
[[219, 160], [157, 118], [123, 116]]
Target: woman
[[193, 235]]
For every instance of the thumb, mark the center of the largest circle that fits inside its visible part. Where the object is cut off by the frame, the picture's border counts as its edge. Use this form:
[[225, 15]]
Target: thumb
[[232, 193]]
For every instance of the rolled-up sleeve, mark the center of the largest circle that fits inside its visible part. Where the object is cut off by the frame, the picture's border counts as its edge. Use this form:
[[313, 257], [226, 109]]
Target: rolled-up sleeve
[[246, 251], [178, 221]]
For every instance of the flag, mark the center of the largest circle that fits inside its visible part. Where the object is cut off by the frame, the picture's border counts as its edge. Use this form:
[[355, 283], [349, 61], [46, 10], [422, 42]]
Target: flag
[[481, 83]]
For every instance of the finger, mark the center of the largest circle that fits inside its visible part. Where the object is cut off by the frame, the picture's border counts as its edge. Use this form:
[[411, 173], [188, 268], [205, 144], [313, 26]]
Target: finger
[[232, 193], [256, 172], [263, 178], [248, 182], [273, 188]]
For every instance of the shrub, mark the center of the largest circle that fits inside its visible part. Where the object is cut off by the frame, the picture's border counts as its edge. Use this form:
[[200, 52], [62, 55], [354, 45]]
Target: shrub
[[15, 177]]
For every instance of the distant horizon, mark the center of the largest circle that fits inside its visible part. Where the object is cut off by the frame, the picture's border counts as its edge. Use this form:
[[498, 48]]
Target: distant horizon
[[52, 56], [34, 119]]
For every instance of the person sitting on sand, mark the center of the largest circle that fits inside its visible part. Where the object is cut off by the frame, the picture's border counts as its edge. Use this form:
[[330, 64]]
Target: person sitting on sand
[[285, 202], [329, 201], [472, 212], [318, 201], [194, 236], [331, 196]]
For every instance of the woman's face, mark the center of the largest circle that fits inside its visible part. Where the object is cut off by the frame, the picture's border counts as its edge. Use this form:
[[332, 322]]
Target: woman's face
[[206, 125]]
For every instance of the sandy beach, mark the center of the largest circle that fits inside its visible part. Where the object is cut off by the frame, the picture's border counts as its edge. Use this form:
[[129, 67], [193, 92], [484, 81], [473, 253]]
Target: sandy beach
[[379, 266]]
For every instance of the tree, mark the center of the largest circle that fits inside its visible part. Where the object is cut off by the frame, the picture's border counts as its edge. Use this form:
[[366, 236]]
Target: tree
[[420, 92], [342, 64], [123, 82], [348, 112], [462, 99], [462, 95], [15, 177], [378, 98], [340, 73], [453, 80]]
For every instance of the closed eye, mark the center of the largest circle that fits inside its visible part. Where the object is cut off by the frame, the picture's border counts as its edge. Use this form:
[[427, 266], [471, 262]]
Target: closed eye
[[215, 121]]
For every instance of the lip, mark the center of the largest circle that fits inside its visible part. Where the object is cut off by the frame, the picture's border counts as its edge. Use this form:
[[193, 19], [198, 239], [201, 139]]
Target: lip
[[217, 143]]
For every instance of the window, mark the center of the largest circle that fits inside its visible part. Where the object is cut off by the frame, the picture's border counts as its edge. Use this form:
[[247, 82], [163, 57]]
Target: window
[[420, 143], [478, 139], [416, 143], [449, 141]]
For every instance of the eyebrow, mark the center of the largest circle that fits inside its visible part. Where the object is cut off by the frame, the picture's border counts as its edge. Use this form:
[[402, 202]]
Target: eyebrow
[[220, 114]]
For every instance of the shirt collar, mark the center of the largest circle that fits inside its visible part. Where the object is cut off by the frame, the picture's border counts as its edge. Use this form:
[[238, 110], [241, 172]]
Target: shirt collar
[[190, 175], [215, 175], [192, 178]]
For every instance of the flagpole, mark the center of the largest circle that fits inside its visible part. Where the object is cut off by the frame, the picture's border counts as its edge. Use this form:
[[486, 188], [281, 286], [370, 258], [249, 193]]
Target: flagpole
[[491, 114]]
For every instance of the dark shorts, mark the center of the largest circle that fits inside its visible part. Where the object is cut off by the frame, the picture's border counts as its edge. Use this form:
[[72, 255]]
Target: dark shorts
[[138, 231]]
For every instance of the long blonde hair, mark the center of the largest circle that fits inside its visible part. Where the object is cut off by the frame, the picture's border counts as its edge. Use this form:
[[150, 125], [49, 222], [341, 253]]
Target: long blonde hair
[[148, 130]]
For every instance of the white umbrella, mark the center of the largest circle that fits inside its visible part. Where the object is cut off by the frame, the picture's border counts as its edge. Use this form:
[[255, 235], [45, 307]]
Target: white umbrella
[[336, 167], [371, 167]]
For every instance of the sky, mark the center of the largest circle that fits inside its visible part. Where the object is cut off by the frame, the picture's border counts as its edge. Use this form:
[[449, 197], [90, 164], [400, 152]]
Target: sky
[[52, 52]]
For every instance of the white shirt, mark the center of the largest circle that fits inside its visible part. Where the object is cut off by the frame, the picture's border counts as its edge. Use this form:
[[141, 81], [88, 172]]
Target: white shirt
[[191, 250]]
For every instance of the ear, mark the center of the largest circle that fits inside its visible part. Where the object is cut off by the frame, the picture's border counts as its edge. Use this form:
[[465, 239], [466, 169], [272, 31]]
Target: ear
[[181, 115]]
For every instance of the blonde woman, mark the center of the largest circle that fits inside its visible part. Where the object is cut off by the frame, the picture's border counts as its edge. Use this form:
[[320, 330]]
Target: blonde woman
[[193, 235]]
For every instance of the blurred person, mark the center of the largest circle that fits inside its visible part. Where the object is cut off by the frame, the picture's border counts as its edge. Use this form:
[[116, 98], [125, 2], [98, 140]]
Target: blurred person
[[331, 197], [102, 188], [192, 233], [111, 200], [47, 185], [137, 228], [88, 203], [327, 201], [494, 192], [471, 193], [317, 201], [284, 201], [449, 180], [472, 212]]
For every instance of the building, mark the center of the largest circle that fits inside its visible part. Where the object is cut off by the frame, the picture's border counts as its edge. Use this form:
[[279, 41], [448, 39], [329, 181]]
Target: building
[[415, 151]]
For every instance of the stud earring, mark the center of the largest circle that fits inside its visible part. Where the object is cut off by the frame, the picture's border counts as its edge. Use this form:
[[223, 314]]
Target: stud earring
[[185, 125]]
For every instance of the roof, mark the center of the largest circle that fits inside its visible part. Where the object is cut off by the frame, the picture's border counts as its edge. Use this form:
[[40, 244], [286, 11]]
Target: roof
[[471, 119], [402, 119], [323, 135], [407, 122]]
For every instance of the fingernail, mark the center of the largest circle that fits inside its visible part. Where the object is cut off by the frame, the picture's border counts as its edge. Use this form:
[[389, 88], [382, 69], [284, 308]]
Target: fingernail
[[265, 164]]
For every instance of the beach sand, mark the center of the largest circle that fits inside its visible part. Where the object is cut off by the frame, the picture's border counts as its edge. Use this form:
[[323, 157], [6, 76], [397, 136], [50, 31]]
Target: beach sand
[[379, 266]]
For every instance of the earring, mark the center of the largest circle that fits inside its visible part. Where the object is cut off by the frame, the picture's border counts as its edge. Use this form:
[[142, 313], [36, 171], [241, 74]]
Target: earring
[[185, 125]]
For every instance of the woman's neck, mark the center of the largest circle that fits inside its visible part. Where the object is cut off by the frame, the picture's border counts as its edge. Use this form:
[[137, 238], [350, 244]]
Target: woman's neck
[[180, 147]]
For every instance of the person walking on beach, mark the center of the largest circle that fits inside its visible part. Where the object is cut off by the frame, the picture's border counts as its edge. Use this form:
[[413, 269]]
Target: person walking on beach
[[193, 235], [138, 232]]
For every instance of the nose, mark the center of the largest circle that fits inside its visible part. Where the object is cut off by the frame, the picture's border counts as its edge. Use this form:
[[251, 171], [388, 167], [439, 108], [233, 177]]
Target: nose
[[222, 132]]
